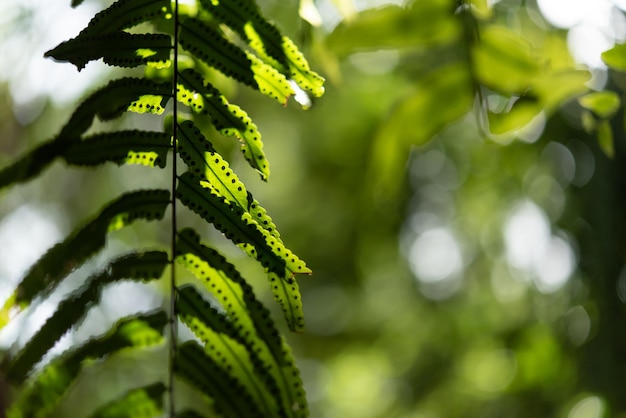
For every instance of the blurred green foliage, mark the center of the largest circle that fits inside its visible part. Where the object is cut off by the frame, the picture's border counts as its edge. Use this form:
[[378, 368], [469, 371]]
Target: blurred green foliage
[[454, 196]]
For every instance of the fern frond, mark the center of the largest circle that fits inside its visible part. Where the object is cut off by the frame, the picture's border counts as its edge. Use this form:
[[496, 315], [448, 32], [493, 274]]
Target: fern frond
[[231, 399], [265, 39], [221, 343], [138, 266], [124, 94], [121, 147], [68, 255], [44, 392], [144, 402], [34, 162], [202, 160], [125, 14], [211, 47], [256, 329], [227, 118], [121, 49]]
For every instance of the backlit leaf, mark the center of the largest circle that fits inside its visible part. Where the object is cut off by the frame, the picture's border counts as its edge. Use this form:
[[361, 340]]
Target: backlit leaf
[[202, 160], [34, 162], [124, 14], [221, 343], [121, 147], [231, 399], [424, 24], [603, 103], [605, 138], [144, 402], [503, 60], [117, 97], [211, 47], [615, 57], [227, 118], [121, 49]]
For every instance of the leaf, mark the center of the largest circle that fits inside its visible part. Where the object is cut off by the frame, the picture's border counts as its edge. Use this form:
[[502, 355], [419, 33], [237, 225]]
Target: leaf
[[44, 392], [556, 87], [34, 162], [523, 111], [70, 254], [603, 103], [441, 97], [125, 14], [109, 102], [204, 162], [121, 49], [480, 9], [424, 24], [221, 343], [615, 57], [121, 147], [266, 40], [238, 226], [503, 61], [231, 399], [140, 266], [252, 320], [227, 118], [143, 402], [605, 138], [211, 47]]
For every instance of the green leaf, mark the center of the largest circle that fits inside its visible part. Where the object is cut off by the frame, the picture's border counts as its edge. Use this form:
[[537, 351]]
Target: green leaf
[[121, 147], [521, 113], [266, 40], [143, 402], [603, 103], [221, 343], [70, 254], [480, 9], [44, 392], [503, 61], [256, 329], [555, 87], [441, 97], [227, 118], [424, 24], [34, 162], [204, 162], [121, 49], [605, 138], [121, 95], [232, 400], [615, 57], [139, 266], [239, 226], [211, 47], [125, 14]]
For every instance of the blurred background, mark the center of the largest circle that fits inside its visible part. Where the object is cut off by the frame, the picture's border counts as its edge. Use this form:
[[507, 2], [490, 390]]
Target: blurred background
[[461, 208]]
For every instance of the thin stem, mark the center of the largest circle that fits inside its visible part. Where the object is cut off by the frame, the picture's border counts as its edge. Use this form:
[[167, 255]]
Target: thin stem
[[173, 316]]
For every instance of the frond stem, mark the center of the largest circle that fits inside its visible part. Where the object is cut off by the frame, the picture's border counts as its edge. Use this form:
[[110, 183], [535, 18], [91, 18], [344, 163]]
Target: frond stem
[[173, 316]]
